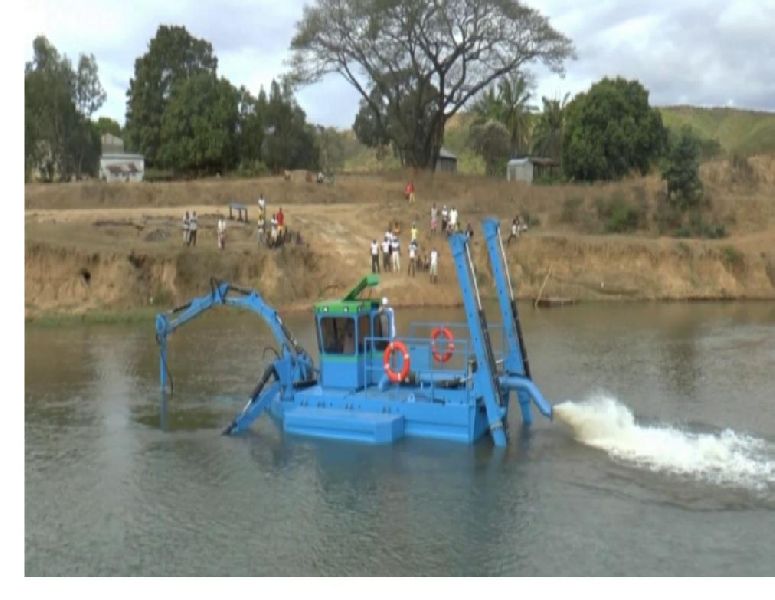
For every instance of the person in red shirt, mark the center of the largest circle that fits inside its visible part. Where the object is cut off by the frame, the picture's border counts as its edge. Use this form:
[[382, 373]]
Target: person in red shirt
[[280, 222], [409, 192]]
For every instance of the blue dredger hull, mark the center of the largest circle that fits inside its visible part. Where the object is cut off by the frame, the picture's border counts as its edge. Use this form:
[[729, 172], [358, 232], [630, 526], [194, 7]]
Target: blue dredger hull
[[374, 417]]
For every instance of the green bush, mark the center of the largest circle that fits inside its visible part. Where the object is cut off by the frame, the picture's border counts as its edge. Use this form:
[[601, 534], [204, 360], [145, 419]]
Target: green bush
[[618, 215], [733, 258], [680, 169], [254, 168]]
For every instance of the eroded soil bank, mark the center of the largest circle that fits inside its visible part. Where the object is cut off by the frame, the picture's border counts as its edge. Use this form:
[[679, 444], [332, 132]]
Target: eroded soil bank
[[98, 247]]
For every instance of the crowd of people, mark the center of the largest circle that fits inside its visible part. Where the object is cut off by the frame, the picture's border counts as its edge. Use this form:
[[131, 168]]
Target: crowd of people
[[446, 221], [385, 254], [390, 250], [273, 233]]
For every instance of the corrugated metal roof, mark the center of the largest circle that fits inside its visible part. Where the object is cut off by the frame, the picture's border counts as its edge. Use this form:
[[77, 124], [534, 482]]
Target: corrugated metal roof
[[444, 153], [123, 156]]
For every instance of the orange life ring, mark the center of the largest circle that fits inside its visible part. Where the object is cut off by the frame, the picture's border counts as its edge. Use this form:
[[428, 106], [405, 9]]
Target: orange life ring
[[399, 346], [442, 358]]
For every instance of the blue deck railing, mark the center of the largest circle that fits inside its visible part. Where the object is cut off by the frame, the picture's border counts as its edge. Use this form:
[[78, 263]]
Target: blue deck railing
[[430, 372]]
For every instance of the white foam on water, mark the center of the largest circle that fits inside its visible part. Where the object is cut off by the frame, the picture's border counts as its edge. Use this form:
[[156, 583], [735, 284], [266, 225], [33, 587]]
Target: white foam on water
[[727, 458]]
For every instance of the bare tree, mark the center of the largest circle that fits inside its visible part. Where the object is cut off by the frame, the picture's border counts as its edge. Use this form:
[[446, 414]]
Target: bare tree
[[437, 54]]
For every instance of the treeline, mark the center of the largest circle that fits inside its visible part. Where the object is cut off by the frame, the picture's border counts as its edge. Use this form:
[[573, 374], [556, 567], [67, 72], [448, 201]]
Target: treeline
[[181, 116], [604, 133]]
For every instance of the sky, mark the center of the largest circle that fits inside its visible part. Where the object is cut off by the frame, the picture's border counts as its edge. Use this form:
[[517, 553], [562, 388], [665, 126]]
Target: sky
[[699, 52]]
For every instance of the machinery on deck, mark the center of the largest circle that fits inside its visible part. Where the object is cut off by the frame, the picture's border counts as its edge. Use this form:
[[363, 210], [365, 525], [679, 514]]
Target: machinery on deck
[[442, 380]]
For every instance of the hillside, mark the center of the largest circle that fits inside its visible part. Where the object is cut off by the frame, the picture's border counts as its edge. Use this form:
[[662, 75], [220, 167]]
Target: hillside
[[743, 132]]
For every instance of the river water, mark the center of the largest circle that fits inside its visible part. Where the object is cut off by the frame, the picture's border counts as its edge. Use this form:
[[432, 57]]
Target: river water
[[661, 460]]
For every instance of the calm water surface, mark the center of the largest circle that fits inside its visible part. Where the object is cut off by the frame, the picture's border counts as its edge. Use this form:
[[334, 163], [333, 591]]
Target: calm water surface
[[109, 491]]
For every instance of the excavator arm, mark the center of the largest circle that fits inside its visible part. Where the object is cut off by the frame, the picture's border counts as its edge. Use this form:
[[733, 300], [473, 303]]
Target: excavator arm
[[292, 368]]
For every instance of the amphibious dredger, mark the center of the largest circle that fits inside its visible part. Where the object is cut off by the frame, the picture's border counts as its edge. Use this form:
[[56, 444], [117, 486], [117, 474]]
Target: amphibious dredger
[[442, 380]]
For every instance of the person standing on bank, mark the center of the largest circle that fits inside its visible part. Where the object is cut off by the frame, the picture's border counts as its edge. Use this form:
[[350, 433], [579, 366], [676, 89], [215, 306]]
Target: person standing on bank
[[412, 258], [434, 266], [192, 227], [395, 248], [186, 221], [222, 233], [374, 256]]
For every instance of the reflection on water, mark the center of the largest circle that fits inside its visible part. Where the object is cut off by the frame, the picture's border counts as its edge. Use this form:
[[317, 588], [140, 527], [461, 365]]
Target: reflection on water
[[114, 486]]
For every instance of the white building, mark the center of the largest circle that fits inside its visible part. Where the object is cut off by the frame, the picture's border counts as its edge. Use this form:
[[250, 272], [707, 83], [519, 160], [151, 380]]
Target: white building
[[117, 165], [528, 168], [122, 167]]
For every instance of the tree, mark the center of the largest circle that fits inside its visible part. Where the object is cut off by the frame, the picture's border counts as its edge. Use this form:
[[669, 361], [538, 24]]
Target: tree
[[680, 169], [250, 128], [550, 128], [426, 60], [491, 139], [198, 128], [610, 131], [107, 125], [331, 148], [89, 94], [173, 56], [290, 141], [370, 128], [510, 107], [59, 141]]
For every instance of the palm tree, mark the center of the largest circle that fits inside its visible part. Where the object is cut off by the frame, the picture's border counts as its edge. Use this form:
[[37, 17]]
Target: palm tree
[[514, 95], [510, 107], [548, 132]]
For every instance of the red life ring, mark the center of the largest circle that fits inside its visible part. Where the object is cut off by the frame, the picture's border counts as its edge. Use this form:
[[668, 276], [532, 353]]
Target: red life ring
[[442, 358], [399, 346]]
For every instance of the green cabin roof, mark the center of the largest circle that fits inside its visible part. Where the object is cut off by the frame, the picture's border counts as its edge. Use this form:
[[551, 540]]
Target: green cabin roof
[[351, 304]]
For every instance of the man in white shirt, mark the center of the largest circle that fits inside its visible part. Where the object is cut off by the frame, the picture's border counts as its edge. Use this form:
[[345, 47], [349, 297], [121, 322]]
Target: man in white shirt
[[221, 233], [374, 256], [434, 266], [453, 219], [386, 253], [412, 258], [192, 227], [262, 205]]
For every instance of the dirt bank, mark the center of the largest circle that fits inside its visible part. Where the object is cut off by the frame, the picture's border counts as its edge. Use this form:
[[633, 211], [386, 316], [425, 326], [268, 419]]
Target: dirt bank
[[93, 246]]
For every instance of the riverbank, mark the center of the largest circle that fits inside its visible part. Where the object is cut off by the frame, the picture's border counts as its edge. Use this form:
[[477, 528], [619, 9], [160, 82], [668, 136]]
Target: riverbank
[[94, 248]]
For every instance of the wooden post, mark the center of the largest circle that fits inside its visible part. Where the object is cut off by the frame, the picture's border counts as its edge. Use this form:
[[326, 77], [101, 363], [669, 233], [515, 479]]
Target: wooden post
[[541, 291]]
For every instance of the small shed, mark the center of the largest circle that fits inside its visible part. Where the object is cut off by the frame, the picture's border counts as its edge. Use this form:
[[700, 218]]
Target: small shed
[[446, 162], [529, 168], [122, 167]]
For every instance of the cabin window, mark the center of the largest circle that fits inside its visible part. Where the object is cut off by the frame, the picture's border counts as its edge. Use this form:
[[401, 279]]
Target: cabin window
[[364, 331], [381, 330], [337, 335]]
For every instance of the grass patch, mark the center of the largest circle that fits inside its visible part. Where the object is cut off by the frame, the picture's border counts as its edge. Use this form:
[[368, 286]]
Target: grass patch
[[571, 209]]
